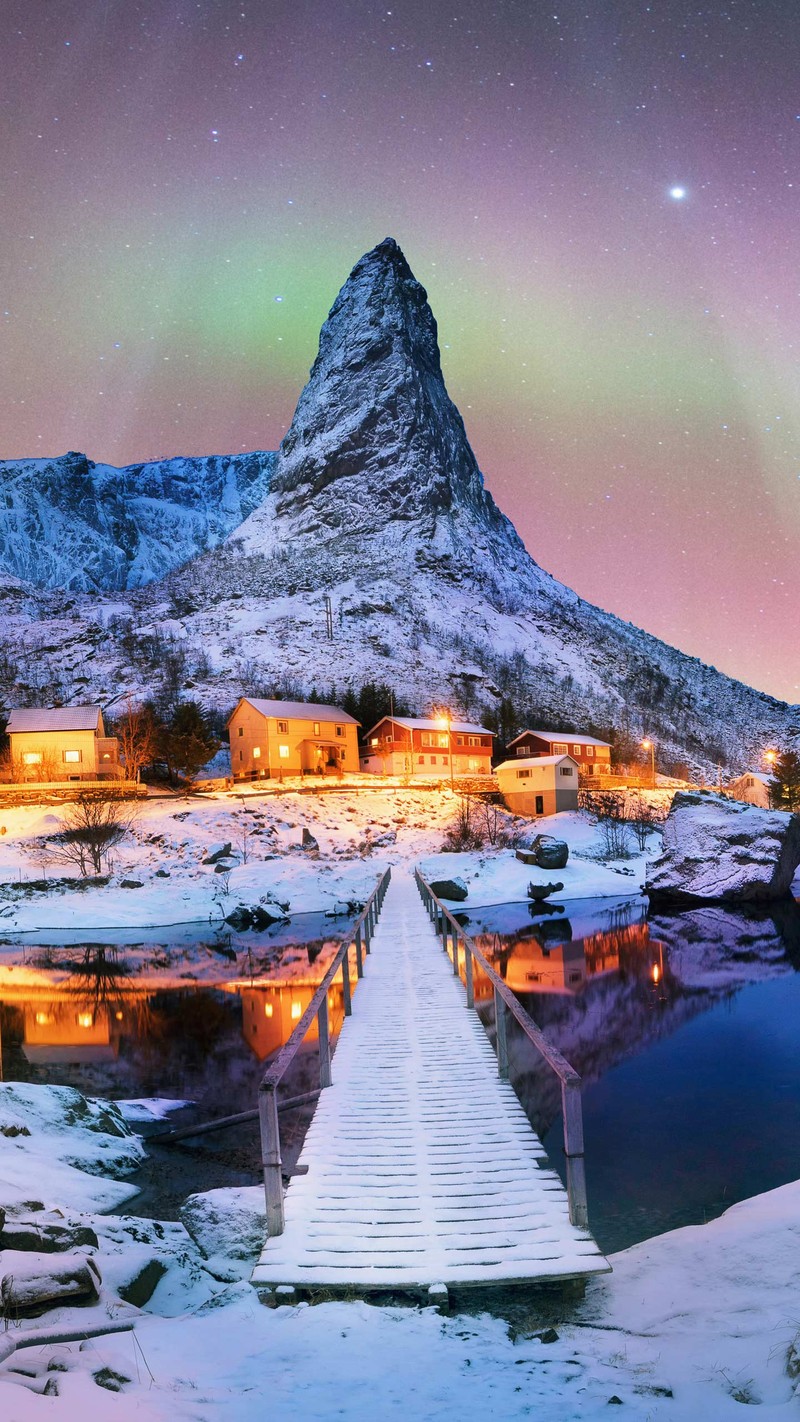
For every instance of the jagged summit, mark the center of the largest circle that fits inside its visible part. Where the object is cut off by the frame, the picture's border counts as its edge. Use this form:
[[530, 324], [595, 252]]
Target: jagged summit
[[375, 435]]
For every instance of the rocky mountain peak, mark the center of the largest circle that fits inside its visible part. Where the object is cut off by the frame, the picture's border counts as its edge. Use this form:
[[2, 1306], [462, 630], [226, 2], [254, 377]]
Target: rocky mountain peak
[[375, 436]]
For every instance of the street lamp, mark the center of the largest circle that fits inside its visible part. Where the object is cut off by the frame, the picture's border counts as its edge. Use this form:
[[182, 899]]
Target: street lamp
[[770, 757], [445, 721], [648, 745]]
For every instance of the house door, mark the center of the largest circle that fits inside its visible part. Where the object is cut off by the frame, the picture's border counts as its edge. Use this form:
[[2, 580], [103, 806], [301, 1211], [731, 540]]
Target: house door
[[540, 804]]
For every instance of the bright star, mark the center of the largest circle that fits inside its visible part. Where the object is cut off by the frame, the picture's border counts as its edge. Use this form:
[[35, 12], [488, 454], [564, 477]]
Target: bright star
[[677, 194]]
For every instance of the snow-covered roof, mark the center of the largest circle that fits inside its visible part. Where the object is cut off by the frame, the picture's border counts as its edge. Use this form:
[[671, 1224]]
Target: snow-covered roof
[[520, 761], [576, 736], [55, 718], [427, 723], [753, 775], [299, 710]]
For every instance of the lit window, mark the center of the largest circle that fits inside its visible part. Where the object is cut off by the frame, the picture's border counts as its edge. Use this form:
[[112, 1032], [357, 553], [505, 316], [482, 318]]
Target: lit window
[[43, 1019], [443, 740], [576, 750], [425, 738], [85, 1019], [283, 752], [374, 741], [32, 758], [283, 728], [268, 1009], [316, 728], [559, 748], [297, 1011], [256, 752], [588, 752], [523, 775], [72, 757]]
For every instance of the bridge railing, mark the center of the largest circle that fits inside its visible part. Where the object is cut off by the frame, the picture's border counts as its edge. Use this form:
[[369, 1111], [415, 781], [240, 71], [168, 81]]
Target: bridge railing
[[268, 1105], [449, 929]]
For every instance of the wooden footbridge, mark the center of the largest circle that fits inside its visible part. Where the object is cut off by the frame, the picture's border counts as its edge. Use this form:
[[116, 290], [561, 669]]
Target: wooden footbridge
[[420, 1171]]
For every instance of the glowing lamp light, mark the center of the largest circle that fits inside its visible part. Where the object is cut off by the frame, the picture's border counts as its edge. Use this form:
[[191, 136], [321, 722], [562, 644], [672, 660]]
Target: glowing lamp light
[[770, 756]]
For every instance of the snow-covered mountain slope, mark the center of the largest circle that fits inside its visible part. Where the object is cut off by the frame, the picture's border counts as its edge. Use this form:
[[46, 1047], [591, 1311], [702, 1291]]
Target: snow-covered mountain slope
[[376, 503], [71, 523]]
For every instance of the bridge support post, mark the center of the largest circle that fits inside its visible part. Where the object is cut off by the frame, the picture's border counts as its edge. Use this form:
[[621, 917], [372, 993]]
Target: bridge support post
[[324, 1044], [271, 1159], [501, 1028], [573, 1149]]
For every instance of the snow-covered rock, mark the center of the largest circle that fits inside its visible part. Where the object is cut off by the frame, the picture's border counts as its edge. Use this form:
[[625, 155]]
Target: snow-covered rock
[[724, 850], [32, 1283], [229, 1226]]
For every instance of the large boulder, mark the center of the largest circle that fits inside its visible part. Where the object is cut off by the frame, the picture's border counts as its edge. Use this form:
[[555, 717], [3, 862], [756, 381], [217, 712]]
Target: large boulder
[[229, 1226], [33, 1283], [723, 850], [453, 889], [546, 852]]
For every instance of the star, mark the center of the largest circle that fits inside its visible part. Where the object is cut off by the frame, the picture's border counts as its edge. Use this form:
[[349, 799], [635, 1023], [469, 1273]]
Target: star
[[677, 194]]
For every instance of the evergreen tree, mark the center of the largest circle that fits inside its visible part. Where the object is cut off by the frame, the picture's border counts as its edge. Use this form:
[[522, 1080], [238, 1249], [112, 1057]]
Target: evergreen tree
[[185, 741], [784, 788]]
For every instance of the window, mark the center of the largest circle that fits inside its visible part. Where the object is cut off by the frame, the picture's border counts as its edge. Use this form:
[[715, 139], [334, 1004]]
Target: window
[[241, 755], [443, 740], [283, 752], [559, 748], [473, 763], [342, 752], [72, 757], [240, 730], [475, 740], [340, 730], [523, 775], [32, 758], [425, 738], [433, 760], [283, 728], [374, 741], [749, 782], [256, 752], [522, 750], [576, 750], [459, 740], [269, 1008], [588, 752], [297, 1011], [590, 770], [575, 977], [316, 728], [565, 770], [421, 759], [540, 804]]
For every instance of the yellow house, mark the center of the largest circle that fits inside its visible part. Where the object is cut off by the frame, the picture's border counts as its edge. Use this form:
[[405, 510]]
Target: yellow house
[[61, 743], [270, 739]]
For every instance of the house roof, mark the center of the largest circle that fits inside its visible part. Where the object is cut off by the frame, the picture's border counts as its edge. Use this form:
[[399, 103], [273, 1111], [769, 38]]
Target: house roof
[[753, 775], [297, 710], [413, 723], [575, 736], [55, 718], [524, 760]]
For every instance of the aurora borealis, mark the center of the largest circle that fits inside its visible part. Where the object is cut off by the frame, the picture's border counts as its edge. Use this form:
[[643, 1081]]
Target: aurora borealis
[[601, 199]]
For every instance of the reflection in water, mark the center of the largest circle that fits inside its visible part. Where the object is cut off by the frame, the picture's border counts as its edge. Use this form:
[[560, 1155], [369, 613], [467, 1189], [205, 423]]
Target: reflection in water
[[674, 1022]]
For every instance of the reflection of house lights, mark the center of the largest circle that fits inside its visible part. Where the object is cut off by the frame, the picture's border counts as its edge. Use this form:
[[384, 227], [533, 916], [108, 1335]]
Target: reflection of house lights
[[655, 972], [118, 1016], [269, 1009], [297, 1011], [85, 1019], [43, 1019]]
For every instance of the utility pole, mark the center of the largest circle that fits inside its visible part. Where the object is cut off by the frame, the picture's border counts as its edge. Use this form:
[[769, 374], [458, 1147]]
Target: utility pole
[[328, 618]]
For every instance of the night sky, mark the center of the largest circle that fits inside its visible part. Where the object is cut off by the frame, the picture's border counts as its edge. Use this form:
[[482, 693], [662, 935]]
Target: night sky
[[601, 199]]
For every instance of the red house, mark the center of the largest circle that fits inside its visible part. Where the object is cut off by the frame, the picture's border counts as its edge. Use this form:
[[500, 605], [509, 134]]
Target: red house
[[402, 745], [593, 756]]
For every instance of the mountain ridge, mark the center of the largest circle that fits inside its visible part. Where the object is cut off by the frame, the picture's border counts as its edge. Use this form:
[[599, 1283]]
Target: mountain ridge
[[375, 501]]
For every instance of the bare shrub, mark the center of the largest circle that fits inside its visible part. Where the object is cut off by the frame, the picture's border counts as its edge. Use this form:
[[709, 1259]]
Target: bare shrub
[[465, 832], [94, 824]]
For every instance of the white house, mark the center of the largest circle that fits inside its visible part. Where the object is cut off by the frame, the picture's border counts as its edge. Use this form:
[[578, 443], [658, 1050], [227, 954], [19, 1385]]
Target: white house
[[539, 785], [753, 787]]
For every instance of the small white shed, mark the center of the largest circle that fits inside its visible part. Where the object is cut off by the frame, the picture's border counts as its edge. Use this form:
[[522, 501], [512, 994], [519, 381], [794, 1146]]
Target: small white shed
[[539, 784]]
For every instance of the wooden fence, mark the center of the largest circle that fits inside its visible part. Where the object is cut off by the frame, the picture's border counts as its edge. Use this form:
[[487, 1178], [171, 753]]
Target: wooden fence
[[268, 1106], [448, 927]]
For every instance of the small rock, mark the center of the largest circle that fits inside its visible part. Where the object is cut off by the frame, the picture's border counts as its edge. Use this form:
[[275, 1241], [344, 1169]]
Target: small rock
[[222, 851], [308, 841], [140, 1289], [162, 873], [543, 891], [224, 866], [131, 884]]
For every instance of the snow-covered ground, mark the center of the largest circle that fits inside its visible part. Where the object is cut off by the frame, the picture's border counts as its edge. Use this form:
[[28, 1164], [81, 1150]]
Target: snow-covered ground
[[690, 1325], [359, 830]]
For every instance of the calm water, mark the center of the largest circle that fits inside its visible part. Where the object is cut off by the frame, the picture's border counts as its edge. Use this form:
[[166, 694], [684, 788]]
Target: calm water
[[683, 1028]]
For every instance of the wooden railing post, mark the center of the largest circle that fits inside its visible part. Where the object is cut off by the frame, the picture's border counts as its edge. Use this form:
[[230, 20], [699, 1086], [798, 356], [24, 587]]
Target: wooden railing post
[[346, 993], [324, 1043], [359, 954], [271, 1163], [501, 1029], [468, 971], [454, 937], [573, 1150], [367, 934]]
